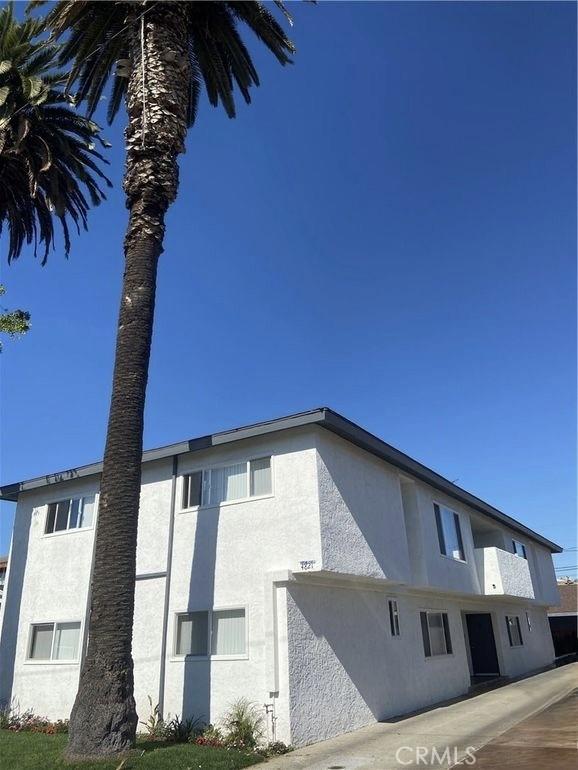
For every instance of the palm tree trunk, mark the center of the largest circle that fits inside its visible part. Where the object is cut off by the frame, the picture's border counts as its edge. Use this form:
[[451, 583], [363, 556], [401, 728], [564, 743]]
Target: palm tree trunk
[[104, 719]]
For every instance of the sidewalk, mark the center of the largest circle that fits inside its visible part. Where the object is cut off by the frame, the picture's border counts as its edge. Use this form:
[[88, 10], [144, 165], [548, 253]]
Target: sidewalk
[[468, 723]]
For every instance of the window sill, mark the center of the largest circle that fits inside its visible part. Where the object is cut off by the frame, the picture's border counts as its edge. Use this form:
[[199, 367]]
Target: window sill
[[452, 558], [74, 531], [224, 504], [444, 656], [29, 662], [204, 658]]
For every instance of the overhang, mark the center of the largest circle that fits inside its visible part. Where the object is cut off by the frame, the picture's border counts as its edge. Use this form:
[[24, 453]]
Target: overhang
[[323, 417]]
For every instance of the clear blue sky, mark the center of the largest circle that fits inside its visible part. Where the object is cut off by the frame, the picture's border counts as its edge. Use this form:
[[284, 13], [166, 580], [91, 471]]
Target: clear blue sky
[[390, 230]]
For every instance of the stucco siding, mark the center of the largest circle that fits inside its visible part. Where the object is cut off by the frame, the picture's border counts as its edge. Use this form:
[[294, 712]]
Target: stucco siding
[[345, 668], [362, 524]]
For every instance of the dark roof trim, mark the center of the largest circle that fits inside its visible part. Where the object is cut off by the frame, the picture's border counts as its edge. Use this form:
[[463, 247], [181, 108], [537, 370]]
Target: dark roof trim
[[323, 417]]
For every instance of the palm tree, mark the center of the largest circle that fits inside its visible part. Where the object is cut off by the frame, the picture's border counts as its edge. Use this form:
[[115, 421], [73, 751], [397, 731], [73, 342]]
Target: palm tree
[[162, 53], [48, 161]]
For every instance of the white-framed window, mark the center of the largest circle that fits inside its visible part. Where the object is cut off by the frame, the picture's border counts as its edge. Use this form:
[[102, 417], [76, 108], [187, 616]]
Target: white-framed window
[[449, 532], [435, 630], [528, 621], [72, 513], [393, 617], [220, 633], [514, 631], [519, 549], [54, 642], [227, 483]]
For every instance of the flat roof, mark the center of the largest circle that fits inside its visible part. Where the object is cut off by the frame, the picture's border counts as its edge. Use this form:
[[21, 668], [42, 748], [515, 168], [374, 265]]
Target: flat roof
[[323, 417]]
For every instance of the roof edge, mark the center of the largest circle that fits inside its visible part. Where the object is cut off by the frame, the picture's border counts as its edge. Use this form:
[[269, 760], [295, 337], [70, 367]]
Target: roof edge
[[322, 416]]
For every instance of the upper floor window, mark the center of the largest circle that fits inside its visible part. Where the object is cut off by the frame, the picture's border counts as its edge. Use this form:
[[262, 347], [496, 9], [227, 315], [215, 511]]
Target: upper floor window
[[218, 633], [514, 630], [519, 549], [393, 617], [231, 482], [449, 532], [435, 631], [54, 641], [76, 513]]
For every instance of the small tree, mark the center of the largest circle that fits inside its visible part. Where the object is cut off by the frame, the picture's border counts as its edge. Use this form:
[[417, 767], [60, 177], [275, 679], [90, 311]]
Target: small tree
[[13, 322]]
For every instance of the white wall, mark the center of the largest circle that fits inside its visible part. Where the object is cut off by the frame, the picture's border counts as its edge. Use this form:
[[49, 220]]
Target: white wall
[[221, 556], [362, 524], [346, 670], [49, 582]]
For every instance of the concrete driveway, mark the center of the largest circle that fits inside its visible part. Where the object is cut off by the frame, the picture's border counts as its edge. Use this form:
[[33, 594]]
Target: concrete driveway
[[441, 736]]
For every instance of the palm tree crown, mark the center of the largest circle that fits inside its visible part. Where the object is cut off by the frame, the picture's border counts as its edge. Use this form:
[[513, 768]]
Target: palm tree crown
[[48, 161], [218, 58]]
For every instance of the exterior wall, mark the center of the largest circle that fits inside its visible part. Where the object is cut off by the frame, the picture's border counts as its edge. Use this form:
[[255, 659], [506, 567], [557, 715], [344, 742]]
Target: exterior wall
[[503, 573], [221, 558], [323, 655], [361, 514], [224, 555], [346, 670], [49, 578]]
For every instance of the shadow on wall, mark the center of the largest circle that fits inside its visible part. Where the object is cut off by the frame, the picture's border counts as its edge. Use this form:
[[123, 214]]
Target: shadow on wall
[[197, 672], [357, 510], [11, 602], [354, 629]]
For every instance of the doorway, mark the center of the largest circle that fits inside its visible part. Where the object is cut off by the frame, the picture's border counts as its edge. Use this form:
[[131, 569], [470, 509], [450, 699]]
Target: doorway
[[482, 643]]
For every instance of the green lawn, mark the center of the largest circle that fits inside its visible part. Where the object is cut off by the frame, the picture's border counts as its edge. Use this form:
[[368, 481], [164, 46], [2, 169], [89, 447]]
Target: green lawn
[[34, 751]]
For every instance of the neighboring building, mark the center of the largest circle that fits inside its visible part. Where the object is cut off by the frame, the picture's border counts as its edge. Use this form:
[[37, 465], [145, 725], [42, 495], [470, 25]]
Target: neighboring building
[[3, 567], [564, 619], [301, 563]]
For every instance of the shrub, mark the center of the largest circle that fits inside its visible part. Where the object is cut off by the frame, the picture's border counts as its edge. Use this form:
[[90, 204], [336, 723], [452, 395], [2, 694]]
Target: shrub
[[11, 718], [243, 725], [275, 748], [211, 736], [155, 725], [182, 730]]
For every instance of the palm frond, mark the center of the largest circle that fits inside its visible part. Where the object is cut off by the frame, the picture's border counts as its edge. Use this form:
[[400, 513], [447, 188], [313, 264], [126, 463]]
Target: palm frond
[[50, 169], [97, 34]]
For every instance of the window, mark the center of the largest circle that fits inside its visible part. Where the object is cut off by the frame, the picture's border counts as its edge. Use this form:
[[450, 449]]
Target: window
[[54, 641], [528, 621], [514, 630], [223, 632], [393, 617], [449, 532], [436, 634], [192, 489], [69, 514], [228, 632], [232, 482], [519, 549]]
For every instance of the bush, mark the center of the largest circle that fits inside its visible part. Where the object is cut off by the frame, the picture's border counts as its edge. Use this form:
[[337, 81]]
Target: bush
[[11, 718], [211, 736], [175, 729], [275, 748], [243, 725], [155, 724], [182, 730]]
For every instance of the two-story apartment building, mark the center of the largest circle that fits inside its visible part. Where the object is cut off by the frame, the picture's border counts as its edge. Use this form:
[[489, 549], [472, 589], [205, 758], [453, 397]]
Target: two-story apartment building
[[302, 563]]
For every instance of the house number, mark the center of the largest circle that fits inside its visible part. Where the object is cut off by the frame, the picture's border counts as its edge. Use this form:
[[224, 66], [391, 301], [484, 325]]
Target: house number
[[305, 565]]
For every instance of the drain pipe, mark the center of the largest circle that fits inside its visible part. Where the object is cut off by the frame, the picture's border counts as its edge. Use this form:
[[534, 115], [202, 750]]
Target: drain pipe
[[163, 661]]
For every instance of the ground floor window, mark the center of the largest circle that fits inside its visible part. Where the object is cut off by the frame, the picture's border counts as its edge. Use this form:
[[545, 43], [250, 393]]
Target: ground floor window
[[220, 633], [54, 641], [436, 634], [393, 617], [514, 630]]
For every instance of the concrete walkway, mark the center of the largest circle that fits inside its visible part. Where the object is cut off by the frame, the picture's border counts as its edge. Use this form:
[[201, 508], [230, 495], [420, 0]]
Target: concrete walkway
[[468, 723]]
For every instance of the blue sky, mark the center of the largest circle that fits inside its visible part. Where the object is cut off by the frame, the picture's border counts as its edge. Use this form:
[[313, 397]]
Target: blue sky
[[389, 229]]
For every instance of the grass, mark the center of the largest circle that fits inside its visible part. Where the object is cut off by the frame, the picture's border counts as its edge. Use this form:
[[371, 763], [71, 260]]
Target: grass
[[35, 751]]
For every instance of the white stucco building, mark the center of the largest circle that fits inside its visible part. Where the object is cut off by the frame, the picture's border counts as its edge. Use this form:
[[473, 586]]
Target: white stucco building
[[301, 563]]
